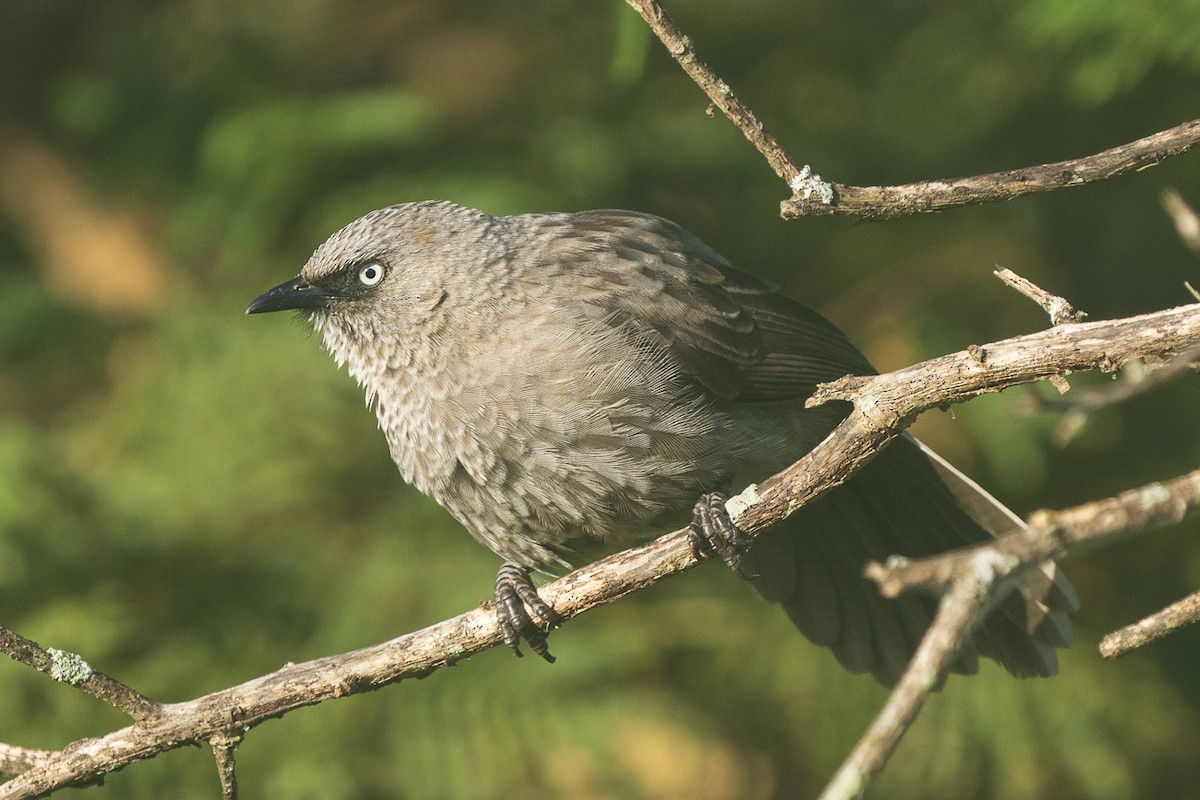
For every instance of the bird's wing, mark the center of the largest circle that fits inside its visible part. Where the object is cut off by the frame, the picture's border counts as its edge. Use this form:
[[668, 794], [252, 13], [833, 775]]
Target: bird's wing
[[730, 332]]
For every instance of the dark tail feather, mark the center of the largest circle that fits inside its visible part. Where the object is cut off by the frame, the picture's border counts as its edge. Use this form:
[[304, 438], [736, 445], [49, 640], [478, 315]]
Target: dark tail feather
[[906, 501]]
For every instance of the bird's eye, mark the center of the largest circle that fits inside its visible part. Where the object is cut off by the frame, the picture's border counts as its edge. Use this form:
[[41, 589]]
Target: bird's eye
[[370, 274]]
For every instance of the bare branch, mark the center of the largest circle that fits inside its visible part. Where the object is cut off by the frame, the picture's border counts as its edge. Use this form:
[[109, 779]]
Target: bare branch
[[1134, 383], [14, 760], [883, 405], [812, 196], [972, 576], [878, 202], [70, 668], [235, 710], [1058, 308], [957, 613], [801, 180], [1152, 628], [956, 377], [1052, 535], [223, 746], [1139, 377]]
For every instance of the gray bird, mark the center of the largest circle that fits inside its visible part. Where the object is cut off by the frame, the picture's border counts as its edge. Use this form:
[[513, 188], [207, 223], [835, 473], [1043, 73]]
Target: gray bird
[[566, 384]]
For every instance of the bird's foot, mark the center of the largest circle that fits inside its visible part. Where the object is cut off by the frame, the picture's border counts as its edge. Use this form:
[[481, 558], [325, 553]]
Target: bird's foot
[[712, 532], [515, 598]]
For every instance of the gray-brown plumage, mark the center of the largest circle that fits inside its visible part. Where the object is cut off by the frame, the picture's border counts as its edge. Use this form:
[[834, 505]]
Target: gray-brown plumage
[[565, 384]]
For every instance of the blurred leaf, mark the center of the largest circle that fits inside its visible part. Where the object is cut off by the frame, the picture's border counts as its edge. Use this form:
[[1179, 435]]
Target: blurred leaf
[[1114, 44], [256, 163]]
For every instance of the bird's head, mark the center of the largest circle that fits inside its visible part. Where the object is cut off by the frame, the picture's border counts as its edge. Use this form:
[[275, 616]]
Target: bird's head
[[384, 278]]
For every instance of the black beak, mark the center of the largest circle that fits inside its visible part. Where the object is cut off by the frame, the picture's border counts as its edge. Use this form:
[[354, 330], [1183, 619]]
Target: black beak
[[291, 295]]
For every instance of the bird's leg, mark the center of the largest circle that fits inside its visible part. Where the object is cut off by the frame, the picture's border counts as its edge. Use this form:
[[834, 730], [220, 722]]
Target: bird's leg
[[712, 532], [515, 598]]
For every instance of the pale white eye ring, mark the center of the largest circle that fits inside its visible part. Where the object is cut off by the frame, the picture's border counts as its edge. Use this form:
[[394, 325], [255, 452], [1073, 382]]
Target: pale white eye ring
[[370, 274]]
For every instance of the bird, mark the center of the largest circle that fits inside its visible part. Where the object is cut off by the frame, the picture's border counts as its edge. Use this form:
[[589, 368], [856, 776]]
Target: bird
[[567, 384]]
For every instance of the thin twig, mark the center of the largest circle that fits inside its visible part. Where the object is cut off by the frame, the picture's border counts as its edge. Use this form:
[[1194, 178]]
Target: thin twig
[[1132, 385], [224, 745], [812, 196], [1152, 628], [1053, 535], [799, 179], [72, 669], [957, 612], [1058, 308], [1137, 378], [971, 575], [877, 202]]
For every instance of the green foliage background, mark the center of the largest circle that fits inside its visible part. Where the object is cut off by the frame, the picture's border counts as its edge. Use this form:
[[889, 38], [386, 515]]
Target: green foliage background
[[190, 497]]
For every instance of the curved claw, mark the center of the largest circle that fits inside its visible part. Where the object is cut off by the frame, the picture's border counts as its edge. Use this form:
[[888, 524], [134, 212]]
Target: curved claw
[[516, 597], [712, 532]]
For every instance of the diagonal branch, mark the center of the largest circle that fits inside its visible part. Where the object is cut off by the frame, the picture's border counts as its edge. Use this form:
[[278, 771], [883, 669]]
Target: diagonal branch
[[223, 746], [1130, 386], [883, 405], [1053, 535], [1059, 309], [957, 613], [70, 668], [812, 196], [971, 576], [718, 91], [1154, 627]]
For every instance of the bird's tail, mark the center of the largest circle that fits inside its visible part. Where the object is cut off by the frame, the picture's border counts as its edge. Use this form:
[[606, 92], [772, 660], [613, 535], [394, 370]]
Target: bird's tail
[[906, 501]]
